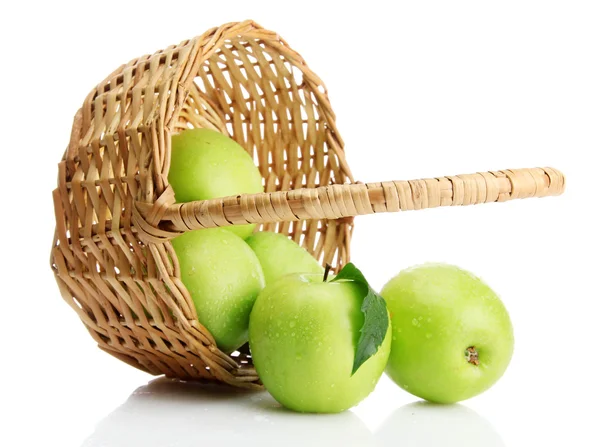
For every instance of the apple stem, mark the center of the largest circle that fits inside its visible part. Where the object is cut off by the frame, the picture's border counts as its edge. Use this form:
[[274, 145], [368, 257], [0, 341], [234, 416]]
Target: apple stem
[[472, 355], [326, 274]]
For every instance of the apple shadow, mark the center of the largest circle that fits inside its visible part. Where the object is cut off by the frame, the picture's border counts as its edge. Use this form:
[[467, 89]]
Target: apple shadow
[[425, 424], [168, 412]]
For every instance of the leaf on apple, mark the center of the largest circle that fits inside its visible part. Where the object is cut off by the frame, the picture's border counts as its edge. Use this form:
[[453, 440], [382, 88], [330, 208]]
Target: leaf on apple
[[376, 317]]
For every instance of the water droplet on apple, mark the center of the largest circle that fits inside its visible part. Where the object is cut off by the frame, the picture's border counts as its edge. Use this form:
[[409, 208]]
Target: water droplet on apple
[[415, 322], [428, 335], [292, 323], [429, 320]]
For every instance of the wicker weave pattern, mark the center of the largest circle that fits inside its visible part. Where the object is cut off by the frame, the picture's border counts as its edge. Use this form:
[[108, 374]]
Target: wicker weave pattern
[[116, 213], [239, 79]]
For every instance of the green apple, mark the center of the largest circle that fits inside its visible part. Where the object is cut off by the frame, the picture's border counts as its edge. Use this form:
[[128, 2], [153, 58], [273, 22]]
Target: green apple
[[452, 336], [224, 277], [280, 256], [206, 164], [303, 337]]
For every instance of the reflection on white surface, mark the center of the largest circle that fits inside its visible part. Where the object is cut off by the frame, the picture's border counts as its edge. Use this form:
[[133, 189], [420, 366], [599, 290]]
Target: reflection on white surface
[[423, 424], [170, 413]]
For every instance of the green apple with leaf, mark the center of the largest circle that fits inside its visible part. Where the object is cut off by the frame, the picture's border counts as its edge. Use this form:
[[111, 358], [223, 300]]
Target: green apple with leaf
[[320, 345], [206, 164], [224, 277], [280, 256], [452, 336]]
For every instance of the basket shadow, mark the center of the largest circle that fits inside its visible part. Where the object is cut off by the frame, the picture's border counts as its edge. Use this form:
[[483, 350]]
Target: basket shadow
[[170, 412]]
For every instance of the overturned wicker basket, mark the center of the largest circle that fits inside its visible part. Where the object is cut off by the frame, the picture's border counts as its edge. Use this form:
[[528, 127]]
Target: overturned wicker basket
[[116, 213]]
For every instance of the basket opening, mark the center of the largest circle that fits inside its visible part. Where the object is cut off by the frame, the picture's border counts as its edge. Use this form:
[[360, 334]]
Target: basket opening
[[269, 102], [266, 105]]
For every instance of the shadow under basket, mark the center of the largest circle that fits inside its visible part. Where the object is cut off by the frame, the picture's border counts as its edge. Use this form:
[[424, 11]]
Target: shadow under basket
[[116, 213]]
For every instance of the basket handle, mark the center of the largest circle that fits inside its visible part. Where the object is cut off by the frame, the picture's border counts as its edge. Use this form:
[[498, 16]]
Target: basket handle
[[348, 200]]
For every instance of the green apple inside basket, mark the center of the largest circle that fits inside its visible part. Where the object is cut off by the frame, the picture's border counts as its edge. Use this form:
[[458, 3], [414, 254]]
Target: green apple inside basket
[[231, 129]]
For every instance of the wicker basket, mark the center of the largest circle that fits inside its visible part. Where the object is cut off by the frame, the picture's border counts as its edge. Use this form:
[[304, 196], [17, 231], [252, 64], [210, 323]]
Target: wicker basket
[[116, 213]]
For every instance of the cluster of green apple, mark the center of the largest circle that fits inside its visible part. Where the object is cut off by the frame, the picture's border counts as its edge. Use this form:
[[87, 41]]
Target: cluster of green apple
[[321, 342], [224, 269]]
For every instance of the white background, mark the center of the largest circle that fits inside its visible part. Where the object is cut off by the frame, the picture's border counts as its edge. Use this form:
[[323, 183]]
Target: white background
[[420, 89]]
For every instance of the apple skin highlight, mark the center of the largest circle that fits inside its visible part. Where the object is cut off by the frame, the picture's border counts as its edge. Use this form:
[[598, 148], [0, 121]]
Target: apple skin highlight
[[224, 277], [303, 338], [206, 164], [452, 336], [280, 256]]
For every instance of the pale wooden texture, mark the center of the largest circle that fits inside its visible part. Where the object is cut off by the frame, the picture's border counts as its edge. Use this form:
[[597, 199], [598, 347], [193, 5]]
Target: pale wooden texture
[[339, 201], [116, 213]]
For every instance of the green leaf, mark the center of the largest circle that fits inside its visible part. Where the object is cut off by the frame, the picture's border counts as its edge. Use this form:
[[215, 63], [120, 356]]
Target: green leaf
[[376, 317]]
